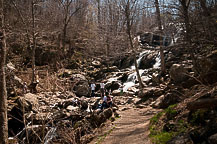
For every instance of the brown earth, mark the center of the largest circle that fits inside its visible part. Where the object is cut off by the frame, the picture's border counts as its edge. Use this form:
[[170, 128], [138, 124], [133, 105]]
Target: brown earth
[[130, 128]]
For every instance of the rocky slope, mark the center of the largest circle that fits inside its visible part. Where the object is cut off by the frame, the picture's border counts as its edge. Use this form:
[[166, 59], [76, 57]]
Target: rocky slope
[[62, 112]]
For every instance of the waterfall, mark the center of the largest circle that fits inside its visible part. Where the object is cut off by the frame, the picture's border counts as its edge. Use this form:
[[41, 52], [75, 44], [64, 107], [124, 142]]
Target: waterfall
[[131, 80], [158, 62]]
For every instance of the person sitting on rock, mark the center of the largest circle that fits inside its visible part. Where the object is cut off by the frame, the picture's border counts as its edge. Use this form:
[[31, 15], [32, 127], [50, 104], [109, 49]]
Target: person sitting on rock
[[104, 103], [109, 101]]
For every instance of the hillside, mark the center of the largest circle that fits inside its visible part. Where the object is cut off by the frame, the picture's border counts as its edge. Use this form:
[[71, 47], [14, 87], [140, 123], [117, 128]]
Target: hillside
[[110, 72]]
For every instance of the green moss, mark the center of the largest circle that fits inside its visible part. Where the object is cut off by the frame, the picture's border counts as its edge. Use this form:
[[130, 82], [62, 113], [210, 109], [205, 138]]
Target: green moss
[[155, 118], [162, 137], [171, 112], [159, 136]]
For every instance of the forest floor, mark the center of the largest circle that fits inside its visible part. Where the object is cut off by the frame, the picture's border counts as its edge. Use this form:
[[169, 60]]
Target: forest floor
[[130, 128]]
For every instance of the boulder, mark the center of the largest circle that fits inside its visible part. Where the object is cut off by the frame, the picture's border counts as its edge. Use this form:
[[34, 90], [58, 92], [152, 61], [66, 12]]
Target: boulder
[[167, 100], [10, 67], [125, 62], [112, 85], [213, 139], [112, 69], [133, 89], [96, 64], [106, 114], [116, 92], [82, 88], [22, 106], [178, 73], [147, 61], [84, 105], [14, 83], [123, 77], [65, 73], [181, 139], [78, 77], [157, 102], [67, 102], [72, 108], [208, 69], [151, 92]]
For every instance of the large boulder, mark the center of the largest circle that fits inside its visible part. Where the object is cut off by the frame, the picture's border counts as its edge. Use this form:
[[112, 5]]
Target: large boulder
[[213, 139], [82, 89], [28, 102], [208, 69], [123, 77], [148, 61], [112, 85], [166, 100], [23, 105], [125, 61], [81, 85], [151, 92], [14, 83], [178, 73]]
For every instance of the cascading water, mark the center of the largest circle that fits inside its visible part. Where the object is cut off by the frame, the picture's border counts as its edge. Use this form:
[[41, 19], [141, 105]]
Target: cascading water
[[158, 62], [131, 80]]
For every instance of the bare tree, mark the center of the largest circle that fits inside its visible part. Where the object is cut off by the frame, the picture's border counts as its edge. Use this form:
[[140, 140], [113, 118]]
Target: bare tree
[[34, 40], [163, 68], [208, 22], [99, 12], [68, 12], [129, 13], [185, 6], [3, 91]]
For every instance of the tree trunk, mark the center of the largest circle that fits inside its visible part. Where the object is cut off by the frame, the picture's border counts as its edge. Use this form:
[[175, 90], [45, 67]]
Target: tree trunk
[[99, 12], [158, 15], [186, 20], [129, 24], [64, 38], [185, 5], [3, 91], [163, 68], [34, 42], [208, 20]]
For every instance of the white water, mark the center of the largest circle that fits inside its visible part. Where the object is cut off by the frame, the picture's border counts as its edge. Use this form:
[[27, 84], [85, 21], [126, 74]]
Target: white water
[[131, 80], [158, 62]]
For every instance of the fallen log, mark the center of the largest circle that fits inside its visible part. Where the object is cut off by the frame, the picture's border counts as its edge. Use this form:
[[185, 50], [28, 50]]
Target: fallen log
[[202, 103]]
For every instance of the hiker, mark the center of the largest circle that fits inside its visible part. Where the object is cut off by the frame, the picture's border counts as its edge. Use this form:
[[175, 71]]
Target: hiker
[[104, 103], [109, 101], [92, 86], [25, 88], [121, 89], [102, 89]]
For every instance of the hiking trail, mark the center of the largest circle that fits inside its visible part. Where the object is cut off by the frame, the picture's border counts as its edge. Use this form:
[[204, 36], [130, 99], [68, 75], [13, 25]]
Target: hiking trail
[[130, 128]]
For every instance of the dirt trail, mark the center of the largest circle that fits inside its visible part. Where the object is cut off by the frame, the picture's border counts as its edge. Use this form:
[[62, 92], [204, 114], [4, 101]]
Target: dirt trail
[[130, 128]]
